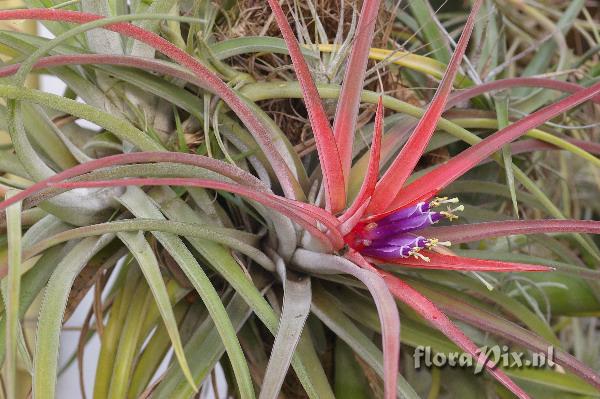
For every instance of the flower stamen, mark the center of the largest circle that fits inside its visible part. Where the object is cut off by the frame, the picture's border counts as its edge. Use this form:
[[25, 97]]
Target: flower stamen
[[437, 201], [449, 214], [415, 253], [434, 242], [395, 235]]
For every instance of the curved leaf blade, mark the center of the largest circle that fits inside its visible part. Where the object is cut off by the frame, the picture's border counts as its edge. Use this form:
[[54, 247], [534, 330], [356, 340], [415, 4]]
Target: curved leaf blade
[[335, 190], [346, 113], [142, 252], [297, 298], [396, 175]]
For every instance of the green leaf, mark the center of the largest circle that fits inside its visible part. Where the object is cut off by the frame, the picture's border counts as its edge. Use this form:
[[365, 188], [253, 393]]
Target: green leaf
[[141, 206], [12, 288], [45, 134], [544, 379], [501, 101], [350, 381], [413, 333], [507, 303], [313, 378], [130, 340], [153, 355], [205, 347], [45, 364], [253, 44], [33, 281], [124, 289], [432, 36], [544, 55], [101, 41], [142, 252], [296, 307], [120, 127], [567, 295]]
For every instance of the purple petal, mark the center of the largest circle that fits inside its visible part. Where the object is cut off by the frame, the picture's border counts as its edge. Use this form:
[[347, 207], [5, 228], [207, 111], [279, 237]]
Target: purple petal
[[387, 228], [403, 213], [388, 252], [395, 247], [400, 240]]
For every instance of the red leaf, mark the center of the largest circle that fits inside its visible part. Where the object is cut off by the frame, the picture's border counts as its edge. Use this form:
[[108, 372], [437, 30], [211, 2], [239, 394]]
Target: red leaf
[[482, 231], [426, 309], [110, 59], [346, 113], [306, 215], [399, 131], [211, 81], [225, 169], [392, 181], [335, 189], [450, 262], [368, 185], [502, 84], [529, 145], [431, 183], [495, 324]]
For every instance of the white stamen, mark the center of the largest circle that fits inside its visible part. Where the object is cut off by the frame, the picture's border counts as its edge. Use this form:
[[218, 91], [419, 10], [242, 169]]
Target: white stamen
[[459, 208], [417, 255], [430, 219]]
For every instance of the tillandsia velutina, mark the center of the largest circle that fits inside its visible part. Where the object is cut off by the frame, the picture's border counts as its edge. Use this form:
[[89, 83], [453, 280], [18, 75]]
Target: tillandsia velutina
[[389, 221]]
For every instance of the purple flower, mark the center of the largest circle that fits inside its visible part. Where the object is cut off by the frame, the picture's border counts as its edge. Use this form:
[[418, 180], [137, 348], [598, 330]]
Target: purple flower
[[393, 236]]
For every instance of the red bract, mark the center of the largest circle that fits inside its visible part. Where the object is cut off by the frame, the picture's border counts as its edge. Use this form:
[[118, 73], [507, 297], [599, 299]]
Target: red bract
[[393, 180], [391, 232], [358, 207], [333, 179], [347, 110], [431, 183]]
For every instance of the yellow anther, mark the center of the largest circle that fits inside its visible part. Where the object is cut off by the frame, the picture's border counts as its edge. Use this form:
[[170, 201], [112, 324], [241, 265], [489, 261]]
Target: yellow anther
[[437, 201], [432, 242], [449, 214]]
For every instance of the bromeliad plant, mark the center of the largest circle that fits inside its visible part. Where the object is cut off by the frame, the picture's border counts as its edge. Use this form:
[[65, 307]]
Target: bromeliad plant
[[307, 241]]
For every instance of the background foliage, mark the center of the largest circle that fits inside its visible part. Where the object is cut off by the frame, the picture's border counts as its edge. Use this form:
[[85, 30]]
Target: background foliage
[[184, 276]]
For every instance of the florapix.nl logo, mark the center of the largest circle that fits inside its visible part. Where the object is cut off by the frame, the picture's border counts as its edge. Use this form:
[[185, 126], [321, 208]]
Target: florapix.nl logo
[[494, 356]]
